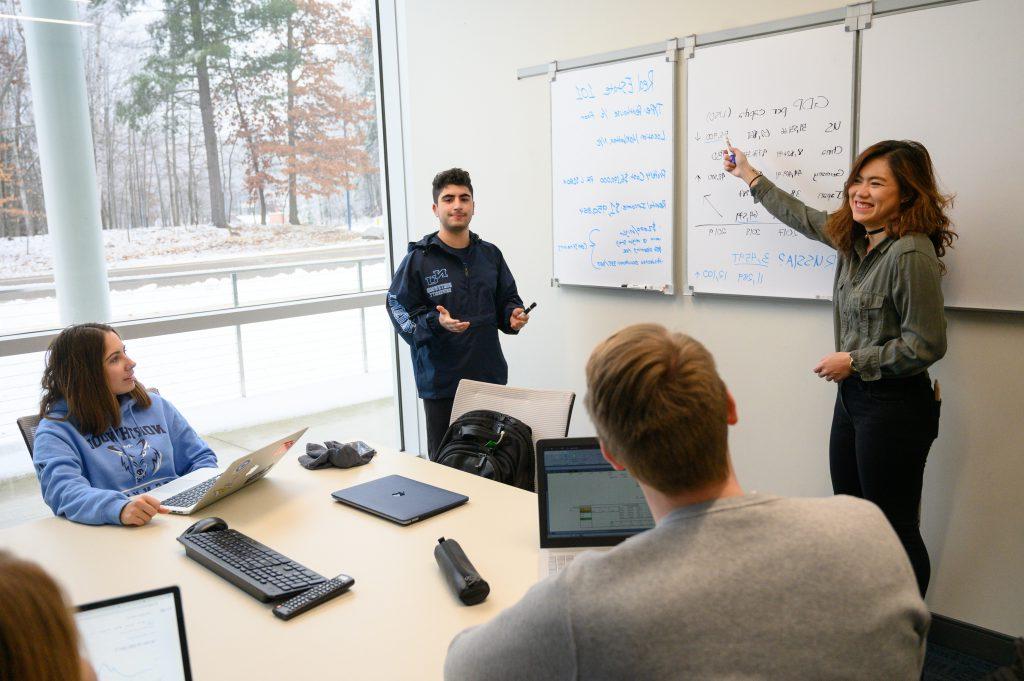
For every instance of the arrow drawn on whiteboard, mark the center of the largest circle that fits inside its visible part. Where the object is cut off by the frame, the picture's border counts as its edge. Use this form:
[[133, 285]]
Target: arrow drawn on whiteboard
[[709, 203], [590, 238]]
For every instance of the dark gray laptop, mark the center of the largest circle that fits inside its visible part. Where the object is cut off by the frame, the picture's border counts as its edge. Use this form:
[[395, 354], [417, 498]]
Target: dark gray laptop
[[399, 499]]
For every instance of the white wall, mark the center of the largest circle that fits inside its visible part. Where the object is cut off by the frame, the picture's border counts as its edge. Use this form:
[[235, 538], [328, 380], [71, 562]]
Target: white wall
[[466, 108]]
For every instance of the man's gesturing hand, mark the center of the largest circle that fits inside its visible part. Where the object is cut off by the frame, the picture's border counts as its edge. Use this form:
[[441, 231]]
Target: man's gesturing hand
[[519, 319], [453, 325]]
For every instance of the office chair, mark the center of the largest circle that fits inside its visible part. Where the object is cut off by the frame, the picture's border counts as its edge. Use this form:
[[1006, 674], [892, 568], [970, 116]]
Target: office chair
[[27, 425], [547, 412]]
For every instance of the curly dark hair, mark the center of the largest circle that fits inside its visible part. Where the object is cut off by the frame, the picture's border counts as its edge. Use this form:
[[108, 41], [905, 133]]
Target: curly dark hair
[[456, 176], [922, 205]]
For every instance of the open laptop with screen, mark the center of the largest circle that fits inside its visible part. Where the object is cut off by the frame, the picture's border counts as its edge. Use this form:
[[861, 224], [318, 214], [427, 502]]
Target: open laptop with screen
[[204, 486], [584, 503], [139, 636]]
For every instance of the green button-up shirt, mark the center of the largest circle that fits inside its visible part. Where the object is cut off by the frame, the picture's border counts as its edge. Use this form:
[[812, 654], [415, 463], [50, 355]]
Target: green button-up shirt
[[887, 304]]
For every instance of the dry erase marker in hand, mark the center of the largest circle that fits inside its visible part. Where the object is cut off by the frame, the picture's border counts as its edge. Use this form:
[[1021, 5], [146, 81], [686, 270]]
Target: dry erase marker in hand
[[527, 310], [732, 154]]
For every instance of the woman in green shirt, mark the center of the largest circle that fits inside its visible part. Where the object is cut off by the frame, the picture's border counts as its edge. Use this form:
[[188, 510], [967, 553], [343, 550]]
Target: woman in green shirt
[[889, 323]]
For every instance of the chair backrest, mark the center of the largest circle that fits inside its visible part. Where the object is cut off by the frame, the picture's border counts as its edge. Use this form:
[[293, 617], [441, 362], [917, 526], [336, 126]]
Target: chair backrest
[[27, 425], [547, 412]]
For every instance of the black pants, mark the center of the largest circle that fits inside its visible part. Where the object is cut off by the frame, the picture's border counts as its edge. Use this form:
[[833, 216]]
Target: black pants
[[881, 433], [438, 413]]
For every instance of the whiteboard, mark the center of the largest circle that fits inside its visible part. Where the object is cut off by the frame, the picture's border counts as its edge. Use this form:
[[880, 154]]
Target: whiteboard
[[785, 100], [612, 162], [950, 78]]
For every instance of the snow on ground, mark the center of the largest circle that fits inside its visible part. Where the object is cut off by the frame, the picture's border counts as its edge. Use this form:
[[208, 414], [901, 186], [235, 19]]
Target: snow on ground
[[32, 256]]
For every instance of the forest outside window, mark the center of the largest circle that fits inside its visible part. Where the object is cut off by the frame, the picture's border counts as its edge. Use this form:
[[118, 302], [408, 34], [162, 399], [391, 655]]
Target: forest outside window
[[236, 152]]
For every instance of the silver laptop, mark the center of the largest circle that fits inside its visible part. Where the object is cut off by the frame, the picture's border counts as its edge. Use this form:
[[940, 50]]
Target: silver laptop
[[584, 503], [202, 487], [140, 636]]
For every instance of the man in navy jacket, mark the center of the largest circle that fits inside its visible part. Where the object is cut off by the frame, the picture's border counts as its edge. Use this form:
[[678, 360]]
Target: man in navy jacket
[[450, 296]]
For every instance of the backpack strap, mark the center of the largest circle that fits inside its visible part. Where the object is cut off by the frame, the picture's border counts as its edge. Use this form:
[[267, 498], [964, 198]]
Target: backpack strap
[[474, 430]]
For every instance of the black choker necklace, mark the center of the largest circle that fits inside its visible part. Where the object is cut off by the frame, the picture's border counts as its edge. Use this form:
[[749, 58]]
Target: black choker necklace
[[872, 232]]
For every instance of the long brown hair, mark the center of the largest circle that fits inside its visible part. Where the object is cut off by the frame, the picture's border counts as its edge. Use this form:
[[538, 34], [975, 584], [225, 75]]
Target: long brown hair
[[38, 639], [74, 372], [922, 205]]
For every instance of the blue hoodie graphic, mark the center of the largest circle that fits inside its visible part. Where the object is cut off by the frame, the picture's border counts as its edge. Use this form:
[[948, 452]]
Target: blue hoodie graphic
[[88, 478], [475, 285]]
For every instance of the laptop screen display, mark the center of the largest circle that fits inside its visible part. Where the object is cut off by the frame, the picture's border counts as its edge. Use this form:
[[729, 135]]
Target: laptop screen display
[[588, 500], [136, 637]]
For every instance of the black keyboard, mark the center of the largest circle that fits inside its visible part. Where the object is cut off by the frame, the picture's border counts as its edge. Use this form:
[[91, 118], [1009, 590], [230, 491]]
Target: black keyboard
[[192, 495], [256, 569]]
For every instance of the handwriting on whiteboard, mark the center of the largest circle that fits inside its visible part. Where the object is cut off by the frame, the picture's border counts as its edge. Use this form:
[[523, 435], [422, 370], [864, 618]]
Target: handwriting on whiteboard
[[613, 174]]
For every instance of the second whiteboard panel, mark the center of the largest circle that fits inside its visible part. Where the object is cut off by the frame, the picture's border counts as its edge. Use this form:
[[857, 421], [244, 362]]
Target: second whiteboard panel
[[785, 100]]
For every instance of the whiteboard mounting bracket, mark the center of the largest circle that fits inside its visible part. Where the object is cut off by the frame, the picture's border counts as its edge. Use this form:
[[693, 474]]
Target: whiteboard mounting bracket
[[671, 49], [554, 282], [552, 71], [689, 44], [858, 16]]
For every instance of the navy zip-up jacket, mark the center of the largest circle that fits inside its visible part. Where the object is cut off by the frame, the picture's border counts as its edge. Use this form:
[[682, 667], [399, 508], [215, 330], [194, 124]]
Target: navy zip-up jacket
[[476, 287]]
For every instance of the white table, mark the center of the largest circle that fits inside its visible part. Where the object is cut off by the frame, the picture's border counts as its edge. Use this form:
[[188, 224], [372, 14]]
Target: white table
[[395, 623]]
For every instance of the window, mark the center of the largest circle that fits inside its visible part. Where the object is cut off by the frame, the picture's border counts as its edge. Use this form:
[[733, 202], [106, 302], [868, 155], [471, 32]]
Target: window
[[250, 174], [237, 164]]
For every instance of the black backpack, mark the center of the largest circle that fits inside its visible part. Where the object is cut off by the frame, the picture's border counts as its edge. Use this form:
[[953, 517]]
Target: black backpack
[[492, 445]]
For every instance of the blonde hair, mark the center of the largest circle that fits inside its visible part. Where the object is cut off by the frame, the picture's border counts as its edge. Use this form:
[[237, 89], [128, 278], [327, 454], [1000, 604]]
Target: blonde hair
[[38, 639], [660, 407]]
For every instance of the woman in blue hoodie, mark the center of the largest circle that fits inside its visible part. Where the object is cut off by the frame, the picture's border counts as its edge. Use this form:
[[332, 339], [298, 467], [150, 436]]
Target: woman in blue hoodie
[[104, 441]]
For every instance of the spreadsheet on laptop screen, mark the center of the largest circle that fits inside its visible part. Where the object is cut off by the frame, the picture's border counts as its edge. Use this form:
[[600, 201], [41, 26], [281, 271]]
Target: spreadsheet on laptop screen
[[137, 639], [588, 498]]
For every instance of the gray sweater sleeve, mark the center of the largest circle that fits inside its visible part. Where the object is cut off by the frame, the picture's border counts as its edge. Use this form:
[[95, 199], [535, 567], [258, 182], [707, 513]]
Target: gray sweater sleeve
[[531, 640], [790, 210]]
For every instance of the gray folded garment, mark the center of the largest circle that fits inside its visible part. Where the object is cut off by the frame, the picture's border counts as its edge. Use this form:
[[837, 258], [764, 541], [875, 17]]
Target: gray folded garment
[[340, 455]]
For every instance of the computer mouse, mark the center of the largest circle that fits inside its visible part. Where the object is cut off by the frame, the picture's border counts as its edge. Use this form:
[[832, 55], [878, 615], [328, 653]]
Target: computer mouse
[[211, 524]]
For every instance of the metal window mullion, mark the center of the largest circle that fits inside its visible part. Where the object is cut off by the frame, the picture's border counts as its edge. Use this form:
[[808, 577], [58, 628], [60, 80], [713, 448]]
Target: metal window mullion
[[21, 344]]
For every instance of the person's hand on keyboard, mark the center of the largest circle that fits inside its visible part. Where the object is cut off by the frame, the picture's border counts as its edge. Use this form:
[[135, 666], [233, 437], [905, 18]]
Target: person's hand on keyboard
[[141, 509]]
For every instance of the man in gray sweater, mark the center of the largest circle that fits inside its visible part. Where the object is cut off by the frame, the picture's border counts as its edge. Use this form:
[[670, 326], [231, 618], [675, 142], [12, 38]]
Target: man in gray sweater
[[728, 584]]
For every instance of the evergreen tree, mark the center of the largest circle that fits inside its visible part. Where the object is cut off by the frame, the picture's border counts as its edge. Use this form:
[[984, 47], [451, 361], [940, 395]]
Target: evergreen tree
[[189, 39]]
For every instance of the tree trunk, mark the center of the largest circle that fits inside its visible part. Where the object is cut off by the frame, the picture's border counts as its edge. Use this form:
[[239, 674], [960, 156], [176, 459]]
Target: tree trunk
[[193, 198], [160, 189], [250, 145], [230, 165], [293, 206], [206, 112], [21, 174], [4, 222], [144, 179], [109, 142], [171, 151]]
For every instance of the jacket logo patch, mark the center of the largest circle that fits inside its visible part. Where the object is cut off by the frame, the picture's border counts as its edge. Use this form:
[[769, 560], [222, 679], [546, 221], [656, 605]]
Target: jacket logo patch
[[437, 276], [434, 286]]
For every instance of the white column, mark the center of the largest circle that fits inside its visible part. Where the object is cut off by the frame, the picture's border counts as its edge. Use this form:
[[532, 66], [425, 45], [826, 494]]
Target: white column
[[68, 168]]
